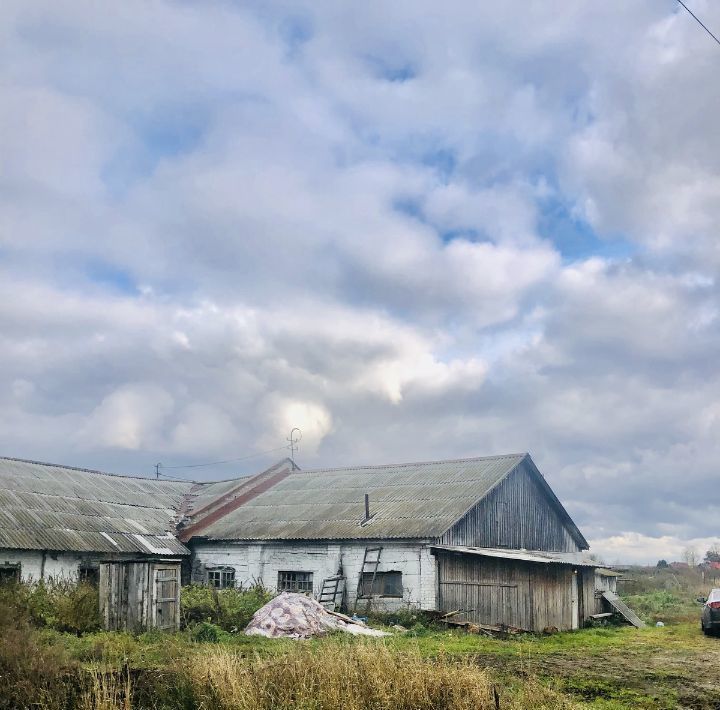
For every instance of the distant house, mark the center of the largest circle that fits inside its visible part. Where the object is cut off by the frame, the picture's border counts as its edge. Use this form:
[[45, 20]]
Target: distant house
[[485, 538]]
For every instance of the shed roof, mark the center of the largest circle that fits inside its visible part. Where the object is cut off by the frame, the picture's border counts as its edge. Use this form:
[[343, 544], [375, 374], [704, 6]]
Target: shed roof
[[411, 500], [50, 507], [576, 559]]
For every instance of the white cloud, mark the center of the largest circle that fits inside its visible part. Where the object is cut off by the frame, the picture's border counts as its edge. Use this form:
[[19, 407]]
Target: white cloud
[[375, 223]]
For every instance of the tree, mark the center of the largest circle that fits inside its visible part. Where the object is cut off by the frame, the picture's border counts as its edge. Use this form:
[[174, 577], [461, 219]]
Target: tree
[[713, 554], [690, 556], [662, 564]]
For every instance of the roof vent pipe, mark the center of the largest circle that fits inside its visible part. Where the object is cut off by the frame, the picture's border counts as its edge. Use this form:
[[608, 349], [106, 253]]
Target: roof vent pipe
[[367, 506]]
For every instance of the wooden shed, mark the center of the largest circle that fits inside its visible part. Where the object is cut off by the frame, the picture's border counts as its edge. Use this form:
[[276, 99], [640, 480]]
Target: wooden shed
[[137, 595], [533, 591]]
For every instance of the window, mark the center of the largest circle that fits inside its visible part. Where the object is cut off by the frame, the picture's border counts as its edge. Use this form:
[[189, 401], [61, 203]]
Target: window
[[295, 581], [89, 575], [9, 573], [221, 577], [387, 584]]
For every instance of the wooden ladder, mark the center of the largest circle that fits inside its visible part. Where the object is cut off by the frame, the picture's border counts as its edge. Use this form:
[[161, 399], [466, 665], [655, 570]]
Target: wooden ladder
[[331, 588], [371, 562]]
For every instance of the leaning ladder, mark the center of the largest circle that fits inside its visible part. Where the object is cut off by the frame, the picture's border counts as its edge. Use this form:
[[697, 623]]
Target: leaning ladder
[[332, 587], [371, 562]]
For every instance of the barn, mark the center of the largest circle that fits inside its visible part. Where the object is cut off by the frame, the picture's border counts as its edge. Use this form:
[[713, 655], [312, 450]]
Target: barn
[[60, 522], [485, 537]]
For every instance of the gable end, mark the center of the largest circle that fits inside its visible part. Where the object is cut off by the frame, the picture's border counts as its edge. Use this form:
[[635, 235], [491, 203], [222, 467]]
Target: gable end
[[520, 512]]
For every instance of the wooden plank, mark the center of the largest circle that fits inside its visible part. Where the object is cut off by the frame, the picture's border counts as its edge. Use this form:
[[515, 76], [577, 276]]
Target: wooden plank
[[620, 606]]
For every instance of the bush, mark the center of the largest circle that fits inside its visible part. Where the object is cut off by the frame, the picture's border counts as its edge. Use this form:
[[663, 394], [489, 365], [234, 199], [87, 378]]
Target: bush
[[206, 632], [61, 605], [230, 609]]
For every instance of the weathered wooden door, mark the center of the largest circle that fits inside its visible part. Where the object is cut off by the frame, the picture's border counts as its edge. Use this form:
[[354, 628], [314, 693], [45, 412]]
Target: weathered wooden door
[[575, 600], [483, 592], [166, 592]]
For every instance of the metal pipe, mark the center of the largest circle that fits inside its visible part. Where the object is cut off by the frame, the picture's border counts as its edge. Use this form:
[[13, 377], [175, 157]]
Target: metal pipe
[[367, 506]]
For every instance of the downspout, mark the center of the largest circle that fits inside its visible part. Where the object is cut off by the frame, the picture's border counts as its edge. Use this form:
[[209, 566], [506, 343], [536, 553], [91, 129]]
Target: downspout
[[42, 565]]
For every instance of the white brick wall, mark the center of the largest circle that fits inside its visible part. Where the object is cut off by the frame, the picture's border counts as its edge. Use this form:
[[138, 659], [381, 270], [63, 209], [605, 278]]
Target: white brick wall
[[261, 562], [57, 565]]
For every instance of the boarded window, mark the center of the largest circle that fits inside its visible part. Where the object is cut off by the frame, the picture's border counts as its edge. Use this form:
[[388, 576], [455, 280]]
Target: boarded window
[[9, 573], [221, 577], [386, 584], [295, 581]]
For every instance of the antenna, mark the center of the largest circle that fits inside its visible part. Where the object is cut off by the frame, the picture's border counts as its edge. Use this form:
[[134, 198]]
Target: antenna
[[294, 440]]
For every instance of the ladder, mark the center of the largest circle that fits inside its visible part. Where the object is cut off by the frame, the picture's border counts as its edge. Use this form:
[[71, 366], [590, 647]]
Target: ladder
[[332, 588], [371, 562]]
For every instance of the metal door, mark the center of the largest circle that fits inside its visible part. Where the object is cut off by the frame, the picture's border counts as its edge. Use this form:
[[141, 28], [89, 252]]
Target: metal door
[[167, 602]]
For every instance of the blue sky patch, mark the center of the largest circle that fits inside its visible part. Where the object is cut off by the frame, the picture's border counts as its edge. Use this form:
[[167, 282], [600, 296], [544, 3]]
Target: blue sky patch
[[574, 237]]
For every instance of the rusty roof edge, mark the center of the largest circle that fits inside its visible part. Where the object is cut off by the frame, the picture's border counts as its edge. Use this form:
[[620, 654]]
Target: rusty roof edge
[[263, 481]]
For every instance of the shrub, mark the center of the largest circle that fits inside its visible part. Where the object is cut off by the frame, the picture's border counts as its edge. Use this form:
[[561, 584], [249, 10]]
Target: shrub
[[57, 604], [230, 609], [206, 632]]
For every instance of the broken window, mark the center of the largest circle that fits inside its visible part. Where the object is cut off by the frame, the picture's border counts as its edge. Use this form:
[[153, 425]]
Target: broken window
[[221, 577], [89, 575], [295, 581], [386, 584], [9, 573]]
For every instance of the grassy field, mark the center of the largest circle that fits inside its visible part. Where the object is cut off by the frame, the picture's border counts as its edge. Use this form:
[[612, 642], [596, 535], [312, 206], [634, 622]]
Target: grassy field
[[47, 660], [612, 668]]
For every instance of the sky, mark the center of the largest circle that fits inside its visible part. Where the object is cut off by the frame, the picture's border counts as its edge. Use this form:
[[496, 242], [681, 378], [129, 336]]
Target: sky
[[416, 231]]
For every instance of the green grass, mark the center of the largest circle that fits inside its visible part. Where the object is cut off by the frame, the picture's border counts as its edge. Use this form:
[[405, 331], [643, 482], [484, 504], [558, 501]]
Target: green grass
[[611, 668]]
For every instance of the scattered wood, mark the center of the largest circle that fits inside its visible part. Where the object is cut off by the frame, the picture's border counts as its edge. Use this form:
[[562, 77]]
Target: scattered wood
[[606, 615], [457, 611]]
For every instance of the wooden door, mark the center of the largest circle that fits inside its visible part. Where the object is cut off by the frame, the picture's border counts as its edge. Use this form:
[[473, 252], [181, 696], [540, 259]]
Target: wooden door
[[167, 599], [575, 600], [482, 591]]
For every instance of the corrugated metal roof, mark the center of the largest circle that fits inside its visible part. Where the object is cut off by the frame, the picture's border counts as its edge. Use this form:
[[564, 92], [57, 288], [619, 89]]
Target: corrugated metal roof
[[49, 507], [415, 500], [577, 559]]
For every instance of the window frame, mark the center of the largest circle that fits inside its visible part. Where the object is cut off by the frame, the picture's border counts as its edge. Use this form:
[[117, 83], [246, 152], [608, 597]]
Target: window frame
[[302, 586], [225, 577], [15, 568], [380, 585]]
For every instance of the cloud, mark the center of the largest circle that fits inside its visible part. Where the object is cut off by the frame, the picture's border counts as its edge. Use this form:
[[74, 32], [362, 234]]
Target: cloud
[[413, 233]]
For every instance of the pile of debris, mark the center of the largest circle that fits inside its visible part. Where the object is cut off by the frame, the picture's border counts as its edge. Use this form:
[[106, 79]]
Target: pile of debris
[[292, 615]]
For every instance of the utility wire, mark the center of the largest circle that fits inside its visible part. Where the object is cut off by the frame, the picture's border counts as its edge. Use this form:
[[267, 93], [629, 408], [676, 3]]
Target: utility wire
[[218, 463], [699, 21]]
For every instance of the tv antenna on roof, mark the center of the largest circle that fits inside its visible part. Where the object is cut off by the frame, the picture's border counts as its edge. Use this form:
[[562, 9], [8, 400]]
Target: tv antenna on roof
[[294, 439]]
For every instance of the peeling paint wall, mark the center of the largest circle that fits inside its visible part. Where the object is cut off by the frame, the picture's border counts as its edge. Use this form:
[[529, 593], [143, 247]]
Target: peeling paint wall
[[260, 562]]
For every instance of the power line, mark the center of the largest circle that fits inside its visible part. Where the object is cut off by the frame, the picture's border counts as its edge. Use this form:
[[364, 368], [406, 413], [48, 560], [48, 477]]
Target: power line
[[699, 21], [218, 463]]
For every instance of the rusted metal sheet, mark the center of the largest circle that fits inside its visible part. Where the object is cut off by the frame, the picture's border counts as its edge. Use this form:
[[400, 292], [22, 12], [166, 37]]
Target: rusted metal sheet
[[49, 507], [418, 500]]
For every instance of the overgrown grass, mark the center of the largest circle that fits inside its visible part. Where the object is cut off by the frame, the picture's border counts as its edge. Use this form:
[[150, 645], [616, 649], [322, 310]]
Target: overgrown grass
[[56, 604], [665, 606], [355, 676], [228, 609]]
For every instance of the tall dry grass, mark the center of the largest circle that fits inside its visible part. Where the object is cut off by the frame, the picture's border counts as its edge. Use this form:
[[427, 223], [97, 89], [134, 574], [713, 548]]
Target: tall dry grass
[[357, 676]]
